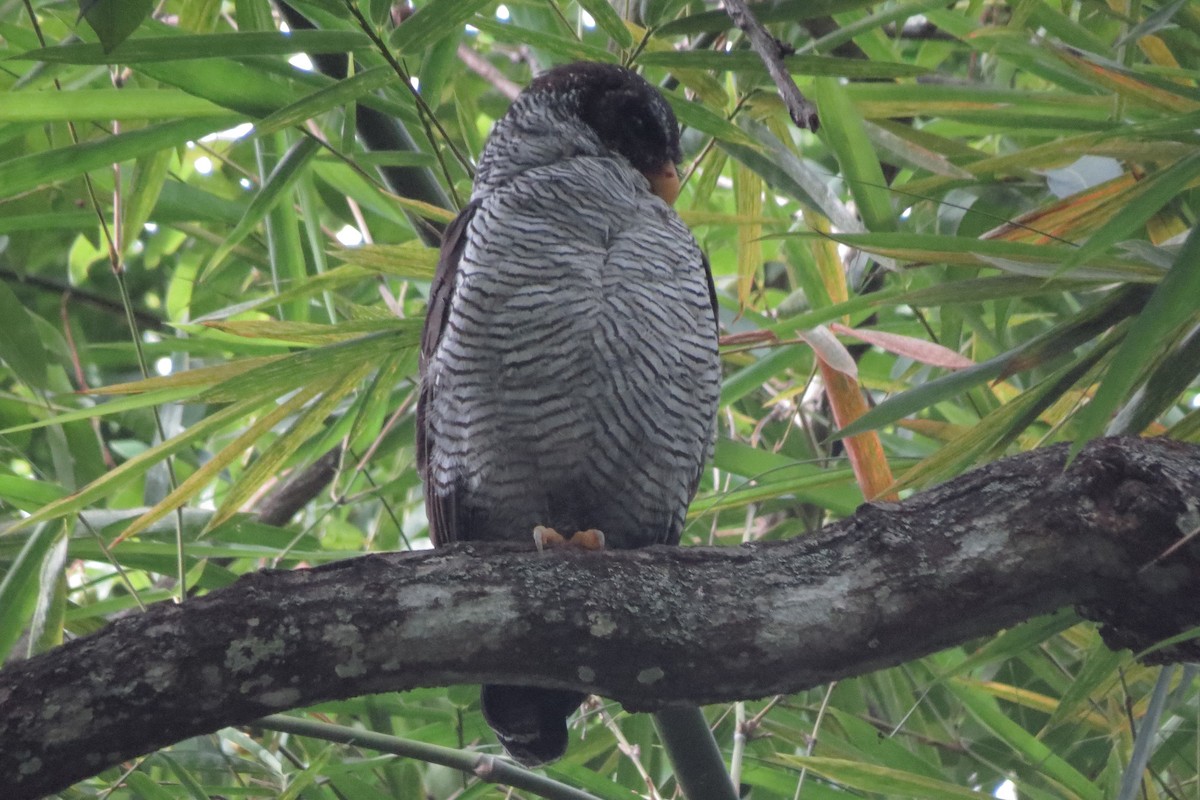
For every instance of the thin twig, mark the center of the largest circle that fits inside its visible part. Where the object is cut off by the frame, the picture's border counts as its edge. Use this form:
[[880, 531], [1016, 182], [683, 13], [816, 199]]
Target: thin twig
[[486, 70], [772, 52], [485, 767], [812, 739], [630, 751]]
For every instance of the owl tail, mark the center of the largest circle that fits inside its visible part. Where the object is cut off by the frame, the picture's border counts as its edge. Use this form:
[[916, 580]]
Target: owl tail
[[531, 723]]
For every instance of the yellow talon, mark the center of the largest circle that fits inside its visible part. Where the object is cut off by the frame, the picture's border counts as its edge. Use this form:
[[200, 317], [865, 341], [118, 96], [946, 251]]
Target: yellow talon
[[591, 539], [544, 537]]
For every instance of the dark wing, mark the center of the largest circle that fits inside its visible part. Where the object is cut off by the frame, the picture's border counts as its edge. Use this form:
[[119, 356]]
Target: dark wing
[[712, 292], [439, 509], [712, 296]]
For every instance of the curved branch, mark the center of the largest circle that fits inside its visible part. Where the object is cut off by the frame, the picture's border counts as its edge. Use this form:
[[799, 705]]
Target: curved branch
[[651, 627]]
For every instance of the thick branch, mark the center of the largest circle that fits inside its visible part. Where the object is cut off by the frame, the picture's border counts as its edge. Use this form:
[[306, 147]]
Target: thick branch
[[1015, 539]]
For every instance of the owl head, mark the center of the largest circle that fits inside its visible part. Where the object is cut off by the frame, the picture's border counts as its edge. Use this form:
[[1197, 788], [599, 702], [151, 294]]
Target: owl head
[[587, 108]]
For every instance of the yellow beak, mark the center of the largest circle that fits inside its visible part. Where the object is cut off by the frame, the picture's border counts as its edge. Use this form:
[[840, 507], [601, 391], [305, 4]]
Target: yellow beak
[[665, 183]]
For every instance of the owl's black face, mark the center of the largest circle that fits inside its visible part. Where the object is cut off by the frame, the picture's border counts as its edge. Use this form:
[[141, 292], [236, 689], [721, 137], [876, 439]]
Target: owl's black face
[[628, 115]]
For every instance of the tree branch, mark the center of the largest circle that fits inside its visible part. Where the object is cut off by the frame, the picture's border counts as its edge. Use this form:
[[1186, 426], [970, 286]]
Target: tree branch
[[651, 627], [772, 52]]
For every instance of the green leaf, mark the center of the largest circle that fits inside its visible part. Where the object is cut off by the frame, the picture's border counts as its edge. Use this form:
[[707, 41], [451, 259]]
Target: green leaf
[[114, 20], [21, 584], [276, 377], [278, 184], [187, 47], [1150, 25], [1142, 203], [745, 61], [109, 407], [146, 787], [843, 129], [882, 779], [1100, 672], [809, 483], [1173, 304], [410, 260], [435, 20], [149, 176], [782, 169], [271, 461], [1015, 257], [46, 625], [609, 21], [104, 104], [1164, 388], [565, 46], [1036, 753], [704, 119], [20, 346], [43, 168], [28, 494], [784, 11], [1015, 641], [114, 479], [342, 93], [188, 488], [1059, 341]]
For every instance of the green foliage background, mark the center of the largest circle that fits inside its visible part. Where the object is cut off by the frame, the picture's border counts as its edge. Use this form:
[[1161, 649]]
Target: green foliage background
[[1011, 181]]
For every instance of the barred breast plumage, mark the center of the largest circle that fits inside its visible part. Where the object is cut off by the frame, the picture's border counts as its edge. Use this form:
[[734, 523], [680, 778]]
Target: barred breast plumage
[[569, 371]]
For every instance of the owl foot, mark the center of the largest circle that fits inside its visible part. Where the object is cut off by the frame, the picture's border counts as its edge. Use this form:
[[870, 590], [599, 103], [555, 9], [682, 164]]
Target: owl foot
[[591, 539], [544, 537]]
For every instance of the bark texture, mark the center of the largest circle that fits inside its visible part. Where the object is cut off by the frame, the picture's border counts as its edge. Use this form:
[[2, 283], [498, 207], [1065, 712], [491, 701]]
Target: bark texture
[[1014, 539]]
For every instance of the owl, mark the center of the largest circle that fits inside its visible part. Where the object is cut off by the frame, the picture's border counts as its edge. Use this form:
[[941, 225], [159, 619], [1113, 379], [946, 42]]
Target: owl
[[569, 367]]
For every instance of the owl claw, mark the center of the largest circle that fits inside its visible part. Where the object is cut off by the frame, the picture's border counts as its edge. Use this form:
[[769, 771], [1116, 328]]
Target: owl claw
[[591, 539], [544, 537]]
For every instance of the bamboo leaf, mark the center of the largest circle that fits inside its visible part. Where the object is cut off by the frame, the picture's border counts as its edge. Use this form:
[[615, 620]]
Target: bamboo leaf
[[875, 778], [184, 47], [50, 166], [186, 490], [149, 176], [1172, 304], [911, 347], [114, 20], [105, 104], [747, 61], [567, 47], [278, 184], [609, 21], [785, 11], [1139, 205], [20, 346], [271, 461], [748, 201], [843, 129], [20, 586], [1036, 753], [342, 93], [435, 20], [137, 466]]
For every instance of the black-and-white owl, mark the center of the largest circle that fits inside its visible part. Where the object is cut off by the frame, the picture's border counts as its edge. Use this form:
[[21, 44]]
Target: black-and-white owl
[[569, 365]]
